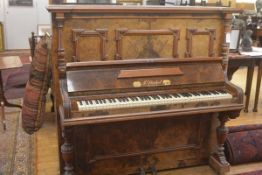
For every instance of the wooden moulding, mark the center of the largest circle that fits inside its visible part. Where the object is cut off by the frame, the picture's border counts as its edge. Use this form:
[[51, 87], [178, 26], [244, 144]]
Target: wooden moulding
[[121, 32], [189, 38], [149, 72], [101, 33], [139, 9]]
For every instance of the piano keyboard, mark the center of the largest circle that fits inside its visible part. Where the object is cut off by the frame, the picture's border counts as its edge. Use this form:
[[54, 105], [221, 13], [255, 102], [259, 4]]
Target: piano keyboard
[[151, 100]]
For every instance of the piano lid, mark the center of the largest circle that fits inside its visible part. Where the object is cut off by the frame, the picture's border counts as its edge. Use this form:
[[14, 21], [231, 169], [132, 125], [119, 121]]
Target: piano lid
[[119, 75]]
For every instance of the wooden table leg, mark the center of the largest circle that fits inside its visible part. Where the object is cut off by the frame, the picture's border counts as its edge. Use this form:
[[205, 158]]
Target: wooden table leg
[[2, 103], [3, 115], [259, 76], [3, 98], [250, 73]]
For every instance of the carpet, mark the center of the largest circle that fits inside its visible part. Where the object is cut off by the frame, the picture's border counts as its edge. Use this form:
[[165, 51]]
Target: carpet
[[244, 144], [17, 150]]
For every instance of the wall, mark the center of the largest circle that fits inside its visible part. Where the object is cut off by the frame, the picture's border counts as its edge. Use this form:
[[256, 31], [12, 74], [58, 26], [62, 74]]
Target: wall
[[1, 10], [16, 32], [43, 16]]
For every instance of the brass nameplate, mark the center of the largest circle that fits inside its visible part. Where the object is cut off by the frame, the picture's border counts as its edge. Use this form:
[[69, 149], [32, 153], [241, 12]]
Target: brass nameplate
[[151, 83]]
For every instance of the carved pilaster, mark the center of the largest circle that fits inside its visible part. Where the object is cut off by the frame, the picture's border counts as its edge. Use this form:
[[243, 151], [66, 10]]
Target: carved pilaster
[[225, 45], [67, 151], [61, 63]]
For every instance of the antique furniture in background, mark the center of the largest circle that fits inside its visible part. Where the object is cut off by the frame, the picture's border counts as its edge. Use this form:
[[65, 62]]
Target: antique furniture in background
[[235, 62], [111, 54], [8, 62]]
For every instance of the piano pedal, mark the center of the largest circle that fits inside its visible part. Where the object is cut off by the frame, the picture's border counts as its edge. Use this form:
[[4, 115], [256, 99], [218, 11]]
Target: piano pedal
[[153, 170]]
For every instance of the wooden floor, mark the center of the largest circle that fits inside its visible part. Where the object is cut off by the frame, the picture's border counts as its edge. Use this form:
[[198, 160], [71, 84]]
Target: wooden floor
[[47, 148]]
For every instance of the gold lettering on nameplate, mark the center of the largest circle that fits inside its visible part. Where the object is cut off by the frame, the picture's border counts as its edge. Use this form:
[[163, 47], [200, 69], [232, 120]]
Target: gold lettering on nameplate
[[137, 84], [150, 83]]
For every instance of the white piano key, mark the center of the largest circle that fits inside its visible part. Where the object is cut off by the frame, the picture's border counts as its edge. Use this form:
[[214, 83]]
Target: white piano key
[[127, 102]]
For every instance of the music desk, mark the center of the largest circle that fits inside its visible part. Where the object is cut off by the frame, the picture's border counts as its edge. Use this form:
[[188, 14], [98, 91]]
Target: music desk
[[236, 61], [8, 62]]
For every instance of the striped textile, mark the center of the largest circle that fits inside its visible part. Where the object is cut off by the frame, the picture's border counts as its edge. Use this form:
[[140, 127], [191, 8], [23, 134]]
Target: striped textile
[[36, 88]]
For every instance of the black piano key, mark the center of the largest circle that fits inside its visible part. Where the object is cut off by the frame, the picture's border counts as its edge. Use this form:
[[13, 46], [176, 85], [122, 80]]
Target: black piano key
[[169, 96], [204, 93], [80, 102], [162, 96], [183, 94], [196, 93], [208, 93], [154, 97], [222, 91], [176, 95], [214, 92]]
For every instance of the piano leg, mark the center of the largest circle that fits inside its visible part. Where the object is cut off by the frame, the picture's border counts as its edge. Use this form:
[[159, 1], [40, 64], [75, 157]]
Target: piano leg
[[222, 132], [67, 152], [218, 160]]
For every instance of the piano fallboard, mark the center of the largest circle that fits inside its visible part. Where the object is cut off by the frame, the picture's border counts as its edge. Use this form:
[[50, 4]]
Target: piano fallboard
[[141, 75]]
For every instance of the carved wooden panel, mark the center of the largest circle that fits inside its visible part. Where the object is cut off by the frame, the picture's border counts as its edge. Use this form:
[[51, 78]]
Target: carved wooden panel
[[121, 33], [210, 33], [97, 34]]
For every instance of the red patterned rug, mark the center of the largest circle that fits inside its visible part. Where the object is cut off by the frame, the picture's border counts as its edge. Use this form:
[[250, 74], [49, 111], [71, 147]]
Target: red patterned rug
[[17, 150], [258, 172]]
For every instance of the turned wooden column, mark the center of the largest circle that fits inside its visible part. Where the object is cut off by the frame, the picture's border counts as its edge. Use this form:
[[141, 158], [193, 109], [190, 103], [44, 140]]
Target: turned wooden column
[[222, 132], [67, 151], [225, 45], [218, 159]]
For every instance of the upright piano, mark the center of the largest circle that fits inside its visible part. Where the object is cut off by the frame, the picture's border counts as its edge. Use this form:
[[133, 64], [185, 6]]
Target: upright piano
[[141, 89]]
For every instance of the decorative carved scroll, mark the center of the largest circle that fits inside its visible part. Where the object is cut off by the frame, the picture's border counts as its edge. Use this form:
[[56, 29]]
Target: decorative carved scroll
[[60, 48], [189, 36], [101, 33], [120, 33]]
